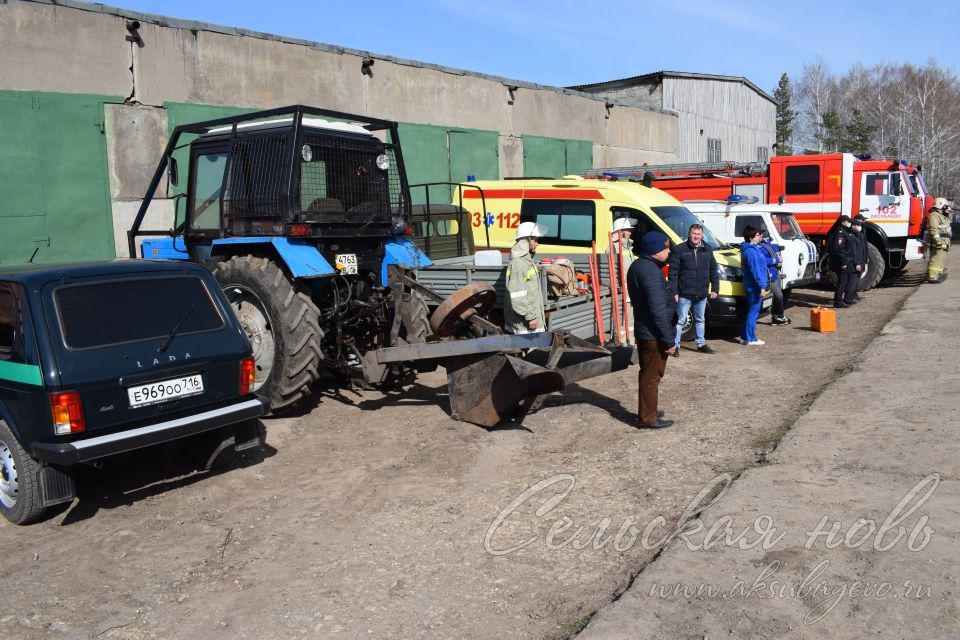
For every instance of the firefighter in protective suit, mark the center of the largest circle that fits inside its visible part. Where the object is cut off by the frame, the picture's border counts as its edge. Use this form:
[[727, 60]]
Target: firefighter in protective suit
[[938, 240], [524, 309]]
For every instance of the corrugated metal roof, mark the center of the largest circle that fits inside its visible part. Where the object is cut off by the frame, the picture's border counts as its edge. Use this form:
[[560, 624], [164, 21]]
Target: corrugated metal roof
[[658, 77]]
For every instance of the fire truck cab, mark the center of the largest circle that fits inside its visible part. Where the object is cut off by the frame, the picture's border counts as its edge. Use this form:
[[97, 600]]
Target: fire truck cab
[[891, 195]]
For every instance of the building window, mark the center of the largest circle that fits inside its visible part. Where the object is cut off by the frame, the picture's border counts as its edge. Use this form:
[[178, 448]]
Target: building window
[[762, 154], [714, 153]]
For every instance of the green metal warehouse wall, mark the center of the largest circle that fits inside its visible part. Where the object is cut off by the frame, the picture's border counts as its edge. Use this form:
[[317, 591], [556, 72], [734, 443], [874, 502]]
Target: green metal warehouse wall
[[442, 154], [555, 157], [54, 189]]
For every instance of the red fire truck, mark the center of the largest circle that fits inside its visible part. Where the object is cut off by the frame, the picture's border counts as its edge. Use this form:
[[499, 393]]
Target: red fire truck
[[819, 189]]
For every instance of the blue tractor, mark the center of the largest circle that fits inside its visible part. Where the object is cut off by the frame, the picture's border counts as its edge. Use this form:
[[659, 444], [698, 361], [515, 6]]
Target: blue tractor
[[302, 215]]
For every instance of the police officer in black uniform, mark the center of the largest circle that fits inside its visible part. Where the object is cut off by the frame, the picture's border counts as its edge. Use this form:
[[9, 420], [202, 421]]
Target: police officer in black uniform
[[858, 241], [842, 262]]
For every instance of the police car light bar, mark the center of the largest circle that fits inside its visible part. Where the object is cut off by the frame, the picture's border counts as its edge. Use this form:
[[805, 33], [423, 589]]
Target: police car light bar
[[741, 199]]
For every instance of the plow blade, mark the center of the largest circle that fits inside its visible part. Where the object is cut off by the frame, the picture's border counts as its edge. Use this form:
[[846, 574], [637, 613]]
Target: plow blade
[[486, 389]]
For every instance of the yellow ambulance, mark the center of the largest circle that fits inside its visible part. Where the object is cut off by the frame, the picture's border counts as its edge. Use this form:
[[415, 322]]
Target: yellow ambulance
[[578, 212]]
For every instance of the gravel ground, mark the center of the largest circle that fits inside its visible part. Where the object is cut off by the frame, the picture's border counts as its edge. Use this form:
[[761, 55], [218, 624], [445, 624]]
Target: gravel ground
[[374, 516]]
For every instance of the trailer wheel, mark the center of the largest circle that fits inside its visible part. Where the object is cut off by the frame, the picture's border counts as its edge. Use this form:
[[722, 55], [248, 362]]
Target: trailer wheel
[[19, 481], [280, 321], [876, 266]]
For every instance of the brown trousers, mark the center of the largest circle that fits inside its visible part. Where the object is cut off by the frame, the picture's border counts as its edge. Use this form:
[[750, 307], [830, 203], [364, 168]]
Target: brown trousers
[[653, 363]]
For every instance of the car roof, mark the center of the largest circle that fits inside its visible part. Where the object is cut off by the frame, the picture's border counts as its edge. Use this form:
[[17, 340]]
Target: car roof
[[722, 206], [28, 274]]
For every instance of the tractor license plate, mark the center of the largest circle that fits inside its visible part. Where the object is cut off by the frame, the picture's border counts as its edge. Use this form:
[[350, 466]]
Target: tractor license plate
[[164, 391], [349, 262]]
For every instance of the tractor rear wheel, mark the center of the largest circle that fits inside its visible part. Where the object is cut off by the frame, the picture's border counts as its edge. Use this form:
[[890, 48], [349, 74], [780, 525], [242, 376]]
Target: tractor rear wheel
[[281, 322]]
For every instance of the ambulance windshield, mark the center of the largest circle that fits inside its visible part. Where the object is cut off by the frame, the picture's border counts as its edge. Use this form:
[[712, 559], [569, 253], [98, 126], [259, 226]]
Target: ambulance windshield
[[679, 220]]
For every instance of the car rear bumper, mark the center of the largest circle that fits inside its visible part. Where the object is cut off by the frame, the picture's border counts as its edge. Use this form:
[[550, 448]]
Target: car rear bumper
[[77, 451]]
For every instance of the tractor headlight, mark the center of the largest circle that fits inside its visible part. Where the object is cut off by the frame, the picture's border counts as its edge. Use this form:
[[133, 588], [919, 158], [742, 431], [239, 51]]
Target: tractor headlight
[[383, 162], [733, 274]]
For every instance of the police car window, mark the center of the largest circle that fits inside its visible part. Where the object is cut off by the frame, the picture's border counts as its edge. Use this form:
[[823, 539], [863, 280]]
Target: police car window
[[569, 222], [786, 226], [803, 180], [8, 319], [743, 221]]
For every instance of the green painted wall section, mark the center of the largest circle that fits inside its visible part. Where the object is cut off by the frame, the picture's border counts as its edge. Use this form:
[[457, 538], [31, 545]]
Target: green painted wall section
[[54, 189], [441, 154], [555, 157]]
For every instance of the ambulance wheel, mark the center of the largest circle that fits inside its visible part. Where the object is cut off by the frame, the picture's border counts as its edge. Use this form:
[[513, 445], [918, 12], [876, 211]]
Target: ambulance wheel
[[689, 331]]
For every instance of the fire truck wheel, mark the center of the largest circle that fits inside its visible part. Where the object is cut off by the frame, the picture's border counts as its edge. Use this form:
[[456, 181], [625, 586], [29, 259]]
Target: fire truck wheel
[[875, 268], [280, 321]]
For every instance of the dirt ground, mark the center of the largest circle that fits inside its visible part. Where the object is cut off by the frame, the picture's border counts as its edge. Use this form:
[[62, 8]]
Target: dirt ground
[[373, 516]]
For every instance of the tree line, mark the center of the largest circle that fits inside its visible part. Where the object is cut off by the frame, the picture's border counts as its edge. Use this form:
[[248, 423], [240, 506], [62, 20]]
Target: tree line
[[900, 111]]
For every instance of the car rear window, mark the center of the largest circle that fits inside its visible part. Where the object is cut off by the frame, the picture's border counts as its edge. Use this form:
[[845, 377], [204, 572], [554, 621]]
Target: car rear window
[[121, 311]]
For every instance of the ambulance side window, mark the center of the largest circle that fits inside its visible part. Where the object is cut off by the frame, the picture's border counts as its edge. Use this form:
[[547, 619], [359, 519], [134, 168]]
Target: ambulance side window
[[569, 222], [643, 222]]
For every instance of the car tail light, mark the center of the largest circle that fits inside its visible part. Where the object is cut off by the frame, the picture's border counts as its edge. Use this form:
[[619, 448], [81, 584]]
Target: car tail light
[[248, 371], [67, 413], [298, 230]]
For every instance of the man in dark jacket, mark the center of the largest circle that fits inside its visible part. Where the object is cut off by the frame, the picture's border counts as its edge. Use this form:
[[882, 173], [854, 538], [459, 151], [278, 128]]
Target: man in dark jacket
[[652, 300], [692, 269], [842, 262]]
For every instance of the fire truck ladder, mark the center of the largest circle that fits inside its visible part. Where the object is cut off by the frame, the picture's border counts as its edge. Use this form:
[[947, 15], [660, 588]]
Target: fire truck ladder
[[683, 170]]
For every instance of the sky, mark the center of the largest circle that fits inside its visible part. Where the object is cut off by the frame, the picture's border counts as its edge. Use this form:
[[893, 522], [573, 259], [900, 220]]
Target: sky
[[564, 43]]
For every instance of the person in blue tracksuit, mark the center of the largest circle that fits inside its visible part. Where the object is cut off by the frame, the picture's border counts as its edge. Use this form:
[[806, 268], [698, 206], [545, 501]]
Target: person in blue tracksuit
[[774, 264], [756, 279]]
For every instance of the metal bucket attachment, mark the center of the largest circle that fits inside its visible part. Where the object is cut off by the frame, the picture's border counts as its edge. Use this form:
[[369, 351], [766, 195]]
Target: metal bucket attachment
[[488, 389]]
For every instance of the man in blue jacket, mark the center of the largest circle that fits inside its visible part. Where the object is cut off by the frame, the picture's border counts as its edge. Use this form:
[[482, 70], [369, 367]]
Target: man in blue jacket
[[756, 279], [693, 268], [652, 300]]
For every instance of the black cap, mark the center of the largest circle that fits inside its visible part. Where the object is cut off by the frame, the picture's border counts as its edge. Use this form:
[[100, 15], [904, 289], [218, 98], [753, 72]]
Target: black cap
[[844, 218], [860, 217]]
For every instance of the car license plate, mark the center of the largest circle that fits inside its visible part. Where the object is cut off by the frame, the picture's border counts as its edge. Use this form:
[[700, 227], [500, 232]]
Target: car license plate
[[164, 391], [766, 303], [349, 262]]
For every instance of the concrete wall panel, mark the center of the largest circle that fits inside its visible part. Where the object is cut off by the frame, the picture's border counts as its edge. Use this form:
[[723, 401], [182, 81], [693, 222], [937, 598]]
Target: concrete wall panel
[[59, 49], [136, 136]]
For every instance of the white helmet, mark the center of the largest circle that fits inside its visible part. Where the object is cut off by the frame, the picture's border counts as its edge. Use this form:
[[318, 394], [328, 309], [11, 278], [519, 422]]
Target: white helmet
[[623, 223], [530, 230]]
